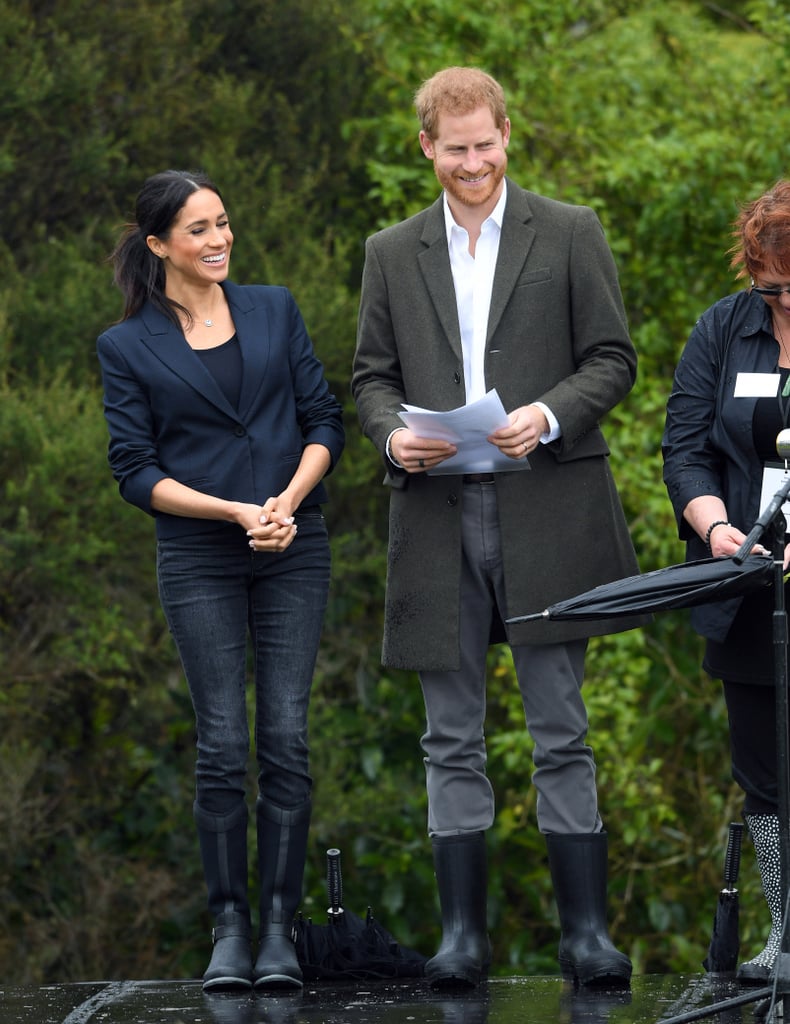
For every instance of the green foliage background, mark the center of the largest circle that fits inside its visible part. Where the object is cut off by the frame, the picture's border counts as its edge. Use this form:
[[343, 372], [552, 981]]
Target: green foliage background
[[664, 116]]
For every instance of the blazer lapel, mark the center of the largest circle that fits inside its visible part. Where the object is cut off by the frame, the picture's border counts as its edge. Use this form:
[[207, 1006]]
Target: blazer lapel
[[169, 346], [253, 330], [514, 245], [434, 262]]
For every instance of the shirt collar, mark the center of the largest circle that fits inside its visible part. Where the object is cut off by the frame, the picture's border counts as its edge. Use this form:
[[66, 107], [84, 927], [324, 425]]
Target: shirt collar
[[758, 317], [497, 214]]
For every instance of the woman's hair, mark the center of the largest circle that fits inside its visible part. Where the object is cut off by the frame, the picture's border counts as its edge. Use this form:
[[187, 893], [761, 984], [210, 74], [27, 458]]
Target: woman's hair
[[458, 91], [762, 234], [139, 273]]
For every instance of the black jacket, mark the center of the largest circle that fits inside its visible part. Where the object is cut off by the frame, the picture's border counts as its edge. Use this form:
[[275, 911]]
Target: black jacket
[[707, 445]]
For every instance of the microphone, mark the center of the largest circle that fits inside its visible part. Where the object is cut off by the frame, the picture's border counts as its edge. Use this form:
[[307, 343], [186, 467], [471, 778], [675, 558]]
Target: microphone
[[783, 444]]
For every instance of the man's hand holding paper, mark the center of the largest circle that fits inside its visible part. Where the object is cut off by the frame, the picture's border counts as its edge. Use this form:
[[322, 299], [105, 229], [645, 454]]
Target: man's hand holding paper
[[528, 424], [475, 438]]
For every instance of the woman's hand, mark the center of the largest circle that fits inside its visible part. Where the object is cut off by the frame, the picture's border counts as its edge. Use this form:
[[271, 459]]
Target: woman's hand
[[707, 515], [727, 540], [273, 528]]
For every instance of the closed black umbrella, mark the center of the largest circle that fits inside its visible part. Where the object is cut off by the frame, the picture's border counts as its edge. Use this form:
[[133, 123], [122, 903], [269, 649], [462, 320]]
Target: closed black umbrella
[[349, 946], [722, 955], [676, 586]]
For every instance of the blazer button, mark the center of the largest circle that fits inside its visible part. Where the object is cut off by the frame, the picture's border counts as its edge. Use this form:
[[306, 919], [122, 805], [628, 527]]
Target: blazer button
[[240, 431], [457, 377], [452, 500]]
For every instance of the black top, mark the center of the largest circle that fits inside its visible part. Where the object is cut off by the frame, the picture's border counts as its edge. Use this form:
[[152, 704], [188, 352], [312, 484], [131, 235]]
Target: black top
[[225, 364], [770, 416]]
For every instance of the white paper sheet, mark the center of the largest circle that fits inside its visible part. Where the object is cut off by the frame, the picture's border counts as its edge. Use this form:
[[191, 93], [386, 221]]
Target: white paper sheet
[[467, 428]]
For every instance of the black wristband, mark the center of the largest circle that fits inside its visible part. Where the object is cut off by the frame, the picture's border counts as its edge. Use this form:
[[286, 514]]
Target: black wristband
[[711, 528]]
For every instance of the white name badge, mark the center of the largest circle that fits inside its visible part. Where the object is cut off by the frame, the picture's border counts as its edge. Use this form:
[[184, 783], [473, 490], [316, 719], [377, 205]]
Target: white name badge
[[757, 385], [775, 475]]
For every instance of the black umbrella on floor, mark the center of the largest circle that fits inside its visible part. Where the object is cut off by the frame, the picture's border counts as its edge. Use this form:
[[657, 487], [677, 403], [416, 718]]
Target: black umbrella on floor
[[722, 955], [676, 586], [349, 946]]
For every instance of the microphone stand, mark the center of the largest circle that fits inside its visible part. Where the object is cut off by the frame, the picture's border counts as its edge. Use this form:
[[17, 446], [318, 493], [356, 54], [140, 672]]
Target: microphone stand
[[772, 525]]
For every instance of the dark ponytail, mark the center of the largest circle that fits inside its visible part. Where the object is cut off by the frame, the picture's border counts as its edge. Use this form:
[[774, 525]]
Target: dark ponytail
[[139, 272]]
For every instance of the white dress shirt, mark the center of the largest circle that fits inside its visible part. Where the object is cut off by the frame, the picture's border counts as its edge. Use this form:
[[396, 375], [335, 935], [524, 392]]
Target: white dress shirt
[[473, 279]]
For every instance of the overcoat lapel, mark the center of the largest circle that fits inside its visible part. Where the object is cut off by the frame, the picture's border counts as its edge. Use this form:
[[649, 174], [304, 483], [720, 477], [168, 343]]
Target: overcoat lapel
[[434, 262], [514, 245]]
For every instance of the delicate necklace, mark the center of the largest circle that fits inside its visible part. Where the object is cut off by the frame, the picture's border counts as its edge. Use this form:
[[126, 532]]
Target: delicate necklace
[[209, 322], [193, 319], [786, 388], [778, 330]]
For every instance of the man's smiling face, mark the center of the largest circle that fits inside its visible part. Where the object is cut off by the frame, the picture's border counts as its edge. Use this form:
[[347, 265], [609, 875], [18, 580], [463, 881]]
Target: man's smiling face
[[469, 156]]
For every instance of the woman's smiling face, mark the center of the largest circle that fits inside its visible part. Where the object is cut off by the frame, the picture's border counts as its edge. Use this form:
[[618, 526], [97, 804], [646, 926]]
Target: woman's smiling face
[[197, 248]]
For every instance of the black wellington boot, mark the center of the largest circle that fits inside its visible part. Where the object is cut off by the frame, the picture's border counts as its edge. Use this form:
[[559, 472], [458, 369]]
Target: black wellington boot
[[282, 848], [464, 953], [578, 865], [223, 849]]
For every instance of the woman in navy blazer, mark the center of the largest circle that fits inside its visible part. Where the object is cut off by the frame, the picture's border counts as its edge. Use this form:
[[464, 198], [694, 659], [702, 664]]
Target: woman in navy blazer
[[222, 427]]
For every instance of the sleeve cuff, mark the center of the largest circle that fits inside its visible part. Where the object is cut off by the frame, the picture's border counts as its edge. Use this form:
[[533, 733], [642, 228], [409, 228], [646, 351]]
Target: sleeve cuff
[[388, 448], [554, 427]]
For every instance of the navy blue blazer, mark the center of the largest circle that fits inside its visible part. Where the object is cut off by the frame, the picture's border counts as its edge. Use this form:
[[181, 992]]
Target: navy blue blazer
[[168, 417]]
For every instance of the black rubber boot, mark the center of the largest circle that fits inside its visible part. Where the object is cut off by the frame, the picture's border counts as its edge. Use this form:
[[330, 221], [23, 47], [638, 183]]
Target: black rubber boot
[[464, 953], [578, 865], [282, 847], [764, 830], [223, 849]]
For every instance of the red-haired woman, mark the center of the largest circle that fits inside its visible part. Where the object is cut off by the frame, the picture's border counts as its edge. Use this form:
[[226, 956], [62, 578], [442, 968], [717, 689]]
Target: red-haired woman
[[730, 399]]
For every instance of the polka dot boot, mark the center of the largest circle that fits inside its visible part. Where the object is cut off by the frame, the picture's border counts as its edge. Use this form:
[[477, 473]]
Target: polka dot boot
[[764, 829]]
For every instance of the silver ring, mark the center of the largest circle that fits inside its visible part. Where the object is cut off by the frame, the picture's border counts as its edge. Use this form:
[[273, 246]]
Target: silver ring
[[421, 463], [525, 446]]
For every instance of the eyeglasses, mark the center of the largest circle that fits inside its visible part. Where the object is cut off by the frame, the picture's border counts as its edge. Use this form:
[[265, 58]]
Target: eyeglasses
[[771, 293]]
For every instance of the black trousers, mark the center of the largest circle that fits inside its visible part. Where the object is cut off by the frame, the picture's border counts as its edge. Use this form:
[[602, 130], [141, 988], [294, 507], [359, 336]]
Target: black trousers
[[745, 664], [752, 715]]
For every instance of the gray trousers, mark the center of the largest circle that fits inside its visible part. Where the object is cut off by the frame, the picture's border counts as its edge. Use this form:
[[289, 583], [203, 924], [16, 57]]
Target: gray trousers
[[460, 795]]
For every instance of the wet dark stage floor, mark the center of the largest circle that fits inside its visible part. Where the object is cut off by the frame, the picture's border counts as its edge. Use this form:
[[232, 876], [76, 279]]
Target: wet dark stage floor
[[537, 1000]]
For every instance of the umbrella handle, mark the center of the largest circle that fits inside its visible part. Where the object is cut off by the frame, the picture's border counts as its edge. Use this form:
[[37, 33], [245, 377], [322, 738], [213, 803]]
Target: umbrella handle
[[732, 858], [334, 882]]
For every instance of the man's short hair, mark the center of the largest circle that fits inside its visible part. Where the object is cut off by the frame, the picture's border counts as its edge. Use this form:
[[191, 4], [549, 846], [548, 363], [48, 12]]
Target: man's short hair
[[458, 91]]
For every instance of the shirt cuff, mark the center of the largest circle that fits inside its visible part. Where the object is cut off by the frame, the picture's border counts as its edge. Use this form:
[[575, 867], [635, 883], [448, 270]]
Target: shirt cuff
[[388, 448], [554, 431]]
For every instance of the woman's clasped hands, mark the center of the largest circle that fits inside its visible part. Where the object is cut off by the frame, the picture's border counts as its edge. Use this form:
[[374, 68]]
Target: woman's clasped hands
[[270, 527]]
